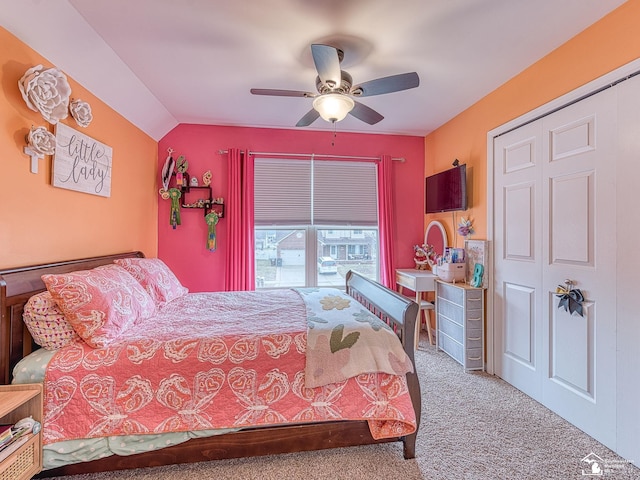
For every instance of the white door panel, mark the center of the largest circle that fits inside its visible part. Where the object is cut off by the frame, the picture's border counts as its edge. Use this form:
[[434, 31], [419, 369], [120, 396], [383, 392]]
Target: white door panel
[[519, 212], [555, 221], [519, 330], [573, 138], [579, 198], [518, 256], [572, 346], [571, 199]]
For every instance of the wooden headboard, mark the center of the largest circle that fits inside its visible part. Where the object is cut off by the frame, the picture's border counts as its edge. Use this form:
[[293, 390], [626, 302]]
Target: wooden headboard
[[17, 285]]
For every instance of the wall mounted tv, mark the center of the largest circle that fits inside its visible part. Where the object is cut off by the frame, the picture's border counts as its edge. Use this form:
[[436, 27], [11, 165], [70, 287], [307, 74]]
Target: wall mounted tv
[[446, 191]]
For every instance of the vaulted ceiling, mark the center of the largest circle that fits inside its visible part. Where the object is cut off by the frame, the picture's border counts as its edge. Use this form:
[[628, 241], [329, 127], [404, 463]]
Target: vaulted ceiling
[[164, 62]]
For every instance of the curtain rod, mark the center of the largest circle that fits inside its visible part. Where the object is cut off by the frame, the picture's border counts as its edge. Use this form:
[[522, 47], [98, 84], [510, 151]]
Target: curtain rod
[[315, 155]]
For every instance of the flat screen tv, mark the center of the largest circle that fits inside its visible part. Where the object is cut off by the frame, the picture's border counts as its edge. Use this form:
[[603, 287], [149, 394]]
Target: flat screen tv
[[446, 191]]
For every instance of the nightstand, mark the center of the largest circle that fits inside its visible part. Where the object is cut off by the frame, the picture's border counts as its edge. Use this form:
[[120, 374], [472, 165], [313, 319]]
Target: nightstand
[[17, 402]]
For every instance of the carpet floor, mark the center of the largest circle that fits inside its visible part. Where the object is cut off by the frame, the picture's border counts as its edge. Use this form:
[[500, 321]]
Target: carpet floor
[[474, 426]]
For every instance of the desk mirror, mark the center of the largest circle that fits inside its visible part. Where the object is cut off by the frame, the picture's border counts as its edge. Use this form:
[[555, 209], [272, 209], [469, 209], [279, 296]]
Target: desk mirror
[[436, 236]]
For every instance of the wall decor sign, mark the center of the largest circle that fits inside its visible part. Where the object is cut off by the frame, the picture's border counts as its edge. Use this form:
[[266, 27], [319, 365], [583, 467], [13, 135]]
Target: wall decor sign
[[81, 163], [477, 252]]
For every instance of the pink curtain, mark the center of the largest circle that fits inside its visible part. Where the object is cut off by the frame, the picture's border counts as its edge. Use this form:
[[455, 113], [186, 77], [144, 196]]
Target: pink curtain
[[385, 221], [239, 215]]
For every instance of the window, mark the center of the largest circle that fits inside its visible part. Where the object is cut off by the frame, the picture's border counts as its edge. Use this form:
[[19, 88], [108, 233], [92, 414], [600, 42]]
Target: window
[[305, 214], [282, 256]]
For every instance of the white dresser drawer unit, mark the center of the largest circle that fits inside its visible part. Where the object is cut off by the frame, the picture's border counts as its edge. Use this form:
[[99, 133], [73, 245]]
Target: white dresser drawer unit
[[460, 323]]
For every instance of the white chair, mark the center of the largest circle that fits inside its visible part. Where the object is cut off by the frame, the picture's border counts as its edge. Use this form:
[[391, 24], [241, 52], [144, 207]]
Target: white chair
[[423, 317]]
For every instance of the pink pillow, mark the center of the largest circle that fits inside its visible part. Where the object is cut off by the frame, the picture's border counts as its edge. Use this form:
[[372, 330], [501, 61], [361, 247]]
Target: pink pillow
[[156, 278], [101, 303], [46, 323]]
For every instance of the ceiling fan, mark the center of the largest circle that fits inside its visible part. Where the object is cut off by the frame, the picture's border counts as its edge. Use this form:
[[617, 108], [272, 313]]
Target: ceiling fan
[[334, 99]]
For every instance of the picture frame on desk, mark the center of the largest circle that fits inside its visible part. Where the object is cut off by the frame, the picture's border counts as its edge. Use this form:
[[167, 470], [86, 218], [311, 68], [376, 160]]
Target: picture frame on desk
[[477, 251]]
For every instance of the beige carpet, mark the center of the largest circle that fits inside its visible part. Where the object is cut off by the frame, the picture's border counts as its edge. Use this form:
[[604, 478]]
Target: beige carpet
[[474, 426]]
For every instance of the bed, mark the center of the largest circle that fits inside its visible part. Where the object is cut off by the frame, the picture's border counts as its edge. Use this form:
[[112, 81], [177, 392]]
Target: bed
[[18, 285]]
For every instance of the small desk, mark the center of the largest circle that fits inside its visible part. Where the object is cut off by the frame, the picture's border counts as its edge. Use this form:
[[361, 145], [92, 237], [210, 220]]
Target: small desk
[[419, 281]]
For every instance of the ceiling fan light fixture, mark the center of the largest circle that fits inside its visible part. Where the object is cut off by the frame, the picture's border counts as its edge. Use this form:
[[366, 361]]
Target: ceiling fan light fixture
[[333, 107]]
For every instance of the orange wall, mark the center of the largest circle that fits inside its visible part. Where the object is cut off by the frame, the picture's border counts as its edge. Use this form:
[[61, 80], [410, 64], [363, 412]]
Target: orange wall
[[603, 47], [40, 223]]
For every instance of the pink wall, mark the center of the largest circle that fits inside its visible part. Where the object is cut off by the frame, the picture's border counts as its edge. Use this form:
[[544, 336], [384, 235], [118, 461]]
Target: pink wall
[[184, 249]]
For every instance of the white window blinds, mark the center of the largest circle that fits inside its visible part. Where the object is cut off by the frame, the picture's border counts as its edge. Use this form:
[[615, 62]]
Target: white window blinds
[[344, 193], [281, 192], [305, 192]]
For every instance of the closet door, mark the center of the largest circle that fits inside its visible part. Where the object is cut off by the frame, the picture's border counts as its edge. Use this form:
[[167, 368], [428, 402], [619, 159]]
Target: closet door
[[579, 239], [554, 193], [518, 258]]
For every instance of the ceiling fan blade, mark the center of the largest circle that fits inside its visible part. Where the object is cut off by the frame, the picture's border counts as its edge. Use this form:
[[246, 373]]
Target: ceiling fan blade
[[379, 86], [327, 64], [281, 93], [310, 117], [366, 114]]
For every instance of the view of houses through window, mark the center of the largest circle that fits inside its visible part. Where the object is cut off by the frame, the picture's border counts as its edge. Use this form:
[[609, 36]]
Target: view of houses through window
[[311, 256]]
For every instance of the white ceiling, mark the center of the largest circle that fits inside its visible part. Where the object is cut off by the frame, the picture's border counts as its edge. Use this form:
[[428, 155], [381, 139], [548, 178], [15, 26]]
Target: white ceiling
[[164, 62]]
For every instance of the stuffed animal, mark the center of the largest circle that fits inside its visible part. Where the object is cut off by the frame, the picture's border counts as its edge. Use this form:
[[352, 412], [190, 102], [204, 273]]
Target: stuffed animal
[[425, 256]]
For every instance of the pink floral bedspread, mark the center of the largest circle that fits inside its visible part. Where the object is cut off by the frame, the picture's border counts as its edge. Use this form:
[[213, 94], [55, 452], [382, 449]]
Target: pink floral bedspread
[[211, 360]]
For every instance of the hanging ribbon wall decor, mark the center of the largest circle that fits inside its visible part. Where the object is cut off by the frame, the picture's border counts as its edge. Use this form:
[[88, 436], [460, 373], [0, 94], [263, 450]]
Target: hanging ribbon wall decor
[[174, 215], [167, 169], [570, 298], [212, 220], [181, 166]]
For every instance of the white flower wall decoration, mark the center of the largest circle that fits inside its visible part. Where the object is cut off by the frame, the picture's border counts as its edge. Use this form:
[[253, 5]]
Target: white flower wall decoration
[[46, 91], [40, 142], [81, 112]]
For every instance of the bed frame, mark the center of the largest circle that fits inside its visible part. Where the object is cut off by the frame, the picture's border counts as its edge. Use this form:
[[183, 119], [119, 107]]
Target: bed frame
[[17, 285]]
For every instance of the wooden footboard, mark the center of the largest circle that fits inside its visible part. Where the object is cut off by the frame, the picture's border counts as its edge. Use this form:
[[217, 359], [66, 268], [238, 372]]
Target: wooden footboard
[[400, 314], [17, 285]]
